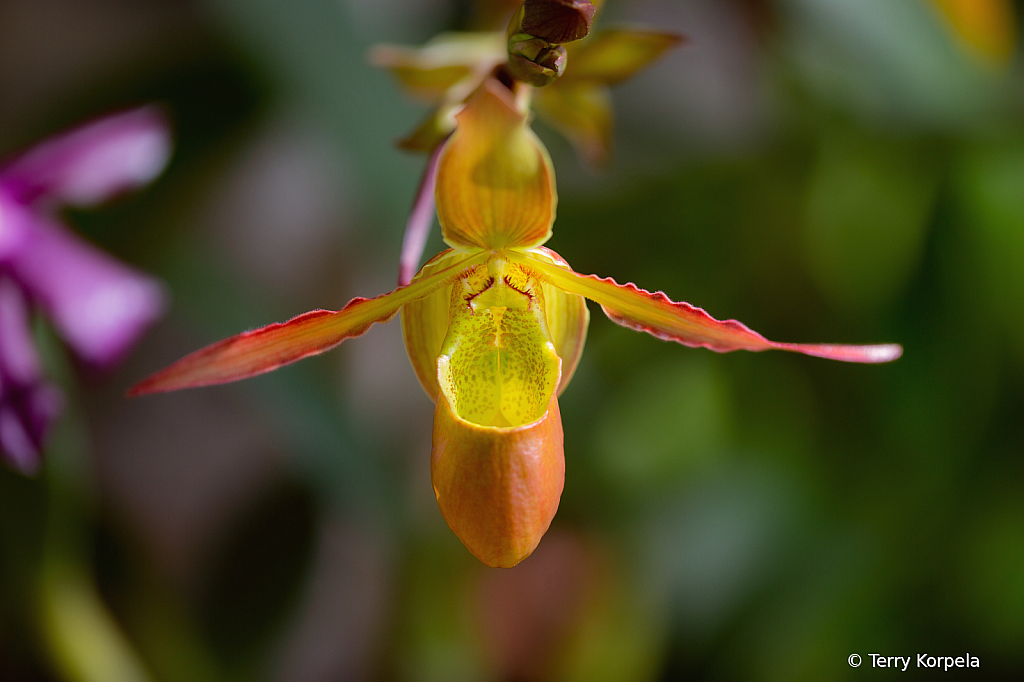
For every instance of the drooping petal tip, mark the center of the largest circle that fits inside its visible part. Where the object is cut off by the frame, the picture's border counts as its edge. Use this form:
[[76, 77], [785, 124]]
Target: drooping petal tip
[[872, 354]]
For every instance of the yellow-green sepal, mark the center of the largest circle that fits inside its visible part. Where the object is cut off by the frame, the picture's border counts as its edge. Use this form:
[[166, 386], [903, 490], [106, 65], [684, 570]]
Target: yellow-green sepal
[[428, 72], [581, 111], [432, 131], [614, 55]]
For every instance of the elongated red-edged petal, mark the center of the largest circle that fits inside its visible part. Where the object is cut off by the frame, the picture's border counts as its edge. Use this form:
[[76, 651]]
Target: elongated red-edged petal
[[498, 488], [495, 184], [262, 350], [659, 316]]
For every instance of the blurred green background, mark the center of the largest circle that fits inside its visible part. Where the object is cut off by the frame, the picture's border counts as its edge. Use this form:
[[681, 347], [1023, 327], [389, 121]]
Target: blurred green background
[[823, 170]]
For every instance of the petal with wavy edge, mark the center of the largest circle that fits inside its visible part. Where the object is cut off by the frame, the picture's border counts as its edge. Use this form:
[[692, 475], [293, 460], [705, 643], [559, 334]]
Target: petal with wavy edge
[[429, 71], [495, 185], [93, 162], [262, 350], [659, 316], [613, 55], [583, 113]]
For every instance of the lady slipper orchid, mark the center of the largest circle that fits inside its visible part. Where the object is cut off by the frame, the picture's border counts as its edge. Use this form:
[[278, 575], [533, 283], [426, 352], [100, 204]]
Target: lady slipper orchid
[[494, 328], [98, 305]]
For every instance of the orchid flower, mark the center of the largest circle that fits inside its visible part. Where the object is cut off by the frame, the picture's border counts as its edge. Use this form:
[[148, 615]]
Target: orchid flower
[[571, 87], [494, 328], [98, 305]]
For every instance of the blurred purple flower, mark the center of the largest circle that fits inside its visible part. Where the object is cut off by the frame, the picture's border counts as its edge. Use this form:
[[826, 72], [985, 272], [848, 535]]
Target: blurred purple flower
[[97, 304]]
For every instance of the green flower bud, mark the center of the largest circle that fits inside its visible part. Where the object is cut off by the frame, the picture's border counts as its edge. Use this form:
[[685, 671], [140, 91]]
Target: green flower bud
[[534, 60]]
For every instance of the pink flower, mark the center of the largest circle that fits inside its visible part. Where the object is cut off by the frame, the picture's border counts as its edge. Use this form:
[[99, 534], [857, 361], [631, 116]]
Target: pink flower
[[98, 305]]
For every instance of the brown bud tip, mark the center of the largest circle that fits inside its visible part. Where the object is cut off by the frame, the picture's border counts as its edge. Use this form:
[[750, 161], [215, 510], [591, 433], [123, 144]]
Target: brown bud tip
[[557, 21], [535, 61]]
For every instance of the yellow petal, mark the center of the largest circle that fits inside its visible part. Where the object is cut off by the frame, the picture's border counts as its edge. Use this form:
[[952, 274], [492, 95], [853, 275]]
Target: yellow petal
[[581, 111], [429, 71], [495, 185], [614, 55]]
